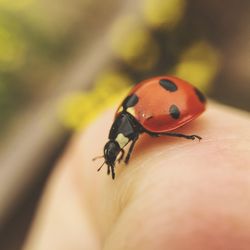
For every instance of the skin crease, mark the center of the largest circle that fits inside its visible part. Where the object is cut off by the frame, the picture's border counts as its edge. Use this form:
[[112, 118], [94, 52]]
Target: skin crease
[[175, 194]]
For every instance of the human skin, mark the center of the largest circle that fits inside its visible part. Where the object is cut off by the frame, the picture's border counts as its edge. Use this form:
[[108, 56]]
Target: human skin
[[175, 194]]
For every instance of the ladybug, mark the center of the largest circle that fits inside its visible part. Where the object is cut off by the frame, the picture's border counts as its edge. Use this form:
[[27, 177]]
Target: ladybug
[[155, 106]]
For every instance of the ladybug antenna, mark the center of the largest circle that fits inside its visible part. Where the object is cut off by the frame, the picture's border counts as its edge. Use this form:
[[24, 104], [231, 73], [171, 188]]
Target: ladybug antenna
[[97, 157], [101, 166]]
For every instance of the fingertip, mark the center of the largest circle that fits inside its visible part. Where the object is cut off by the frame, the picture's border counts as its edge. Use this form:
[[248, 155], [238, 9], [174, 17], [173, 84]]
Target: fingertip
[[164, 178]]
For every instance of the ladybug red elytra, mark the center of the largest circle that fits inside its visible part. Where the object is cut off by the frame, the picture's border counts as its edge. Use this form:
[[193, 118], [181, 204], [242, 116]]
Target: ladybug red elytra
[[154, 106]]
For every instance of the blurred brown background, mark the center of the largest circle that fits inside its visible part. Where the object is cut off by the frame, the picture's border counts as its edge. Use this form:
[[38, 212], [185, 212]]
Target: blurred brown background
[[58, 59]]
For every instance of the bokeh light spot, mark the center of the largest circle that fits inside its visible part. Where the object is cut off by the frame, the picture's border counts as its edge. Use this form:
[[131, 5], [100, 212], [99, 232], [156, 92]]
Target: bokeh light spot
[[160, 13], [12, 49], [79, 109], [134, 44], [199, 65]]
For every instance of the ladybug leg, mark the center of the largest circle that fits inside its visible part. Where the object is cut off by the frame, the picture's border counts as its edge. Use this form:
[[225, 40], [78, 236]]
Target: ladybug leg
[[108, 170], [112, 172], [110, 167], [122, 155], [189, 137], [130, 150]]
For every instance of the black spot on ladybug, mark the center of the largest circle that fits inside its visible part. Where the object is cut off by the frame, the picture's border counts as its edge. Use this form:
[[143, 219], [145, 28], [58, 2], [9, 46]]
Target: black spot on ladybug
[[201, 97], [130, 101], [168, 85], [174, 111]]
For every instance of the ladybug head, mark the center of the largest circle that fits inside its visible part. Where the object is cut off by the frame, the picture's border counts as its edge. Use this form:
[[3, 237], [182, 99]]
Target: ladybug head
[[111, 150]]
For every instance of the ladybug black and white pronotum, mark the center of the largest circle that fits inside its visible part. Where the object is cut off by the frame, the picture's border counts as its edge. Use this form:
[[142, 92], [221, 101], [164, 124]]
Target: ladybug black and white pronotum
[[154, 106]]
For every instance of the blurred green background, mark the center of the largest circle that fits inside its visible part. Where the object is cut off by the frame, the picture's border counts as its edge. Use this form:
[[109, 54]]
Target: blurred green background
[[63, 62]]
